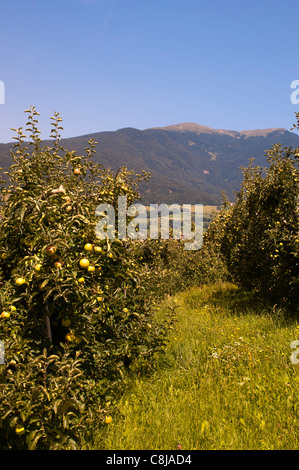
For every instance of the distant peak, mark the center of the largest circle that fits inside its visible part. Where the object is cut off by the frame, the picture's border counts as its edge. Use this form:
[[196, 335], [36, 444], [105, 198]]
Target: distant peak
[[187, 126], [199, 129], [263, 132]]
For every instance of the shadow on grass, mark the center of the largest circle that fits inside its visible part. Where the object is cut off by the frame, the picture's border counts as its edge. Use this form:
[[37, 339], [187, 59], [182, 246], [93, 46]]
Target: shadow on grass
[[236, 299], [239, 301]]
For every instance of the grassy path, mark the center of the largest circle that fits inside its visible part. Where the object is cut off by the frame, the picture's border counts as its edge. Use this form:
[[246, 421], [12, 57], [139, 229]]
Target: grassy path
[[226, 381]]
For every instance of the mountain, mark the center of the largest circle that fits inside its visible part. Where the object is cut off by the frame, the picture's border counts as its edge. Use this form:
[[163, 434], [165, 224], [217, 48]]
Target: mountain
[[189, 163], [198, 129]]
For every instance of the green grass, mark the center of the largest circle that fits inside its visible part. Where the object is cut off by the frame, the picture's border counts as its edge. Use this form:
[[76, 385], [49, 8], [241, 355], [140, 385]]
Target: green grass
[[226, 380]]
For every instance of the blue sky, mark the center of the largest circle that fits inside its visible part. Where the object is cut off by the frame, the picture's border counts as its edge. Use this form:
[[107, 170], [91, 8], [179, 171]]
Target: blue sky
[[109, 64]]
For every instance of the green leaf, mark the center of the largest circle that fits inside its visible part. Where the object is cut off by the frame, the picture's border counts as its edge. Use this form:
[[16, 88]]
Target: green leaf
[[32, 438], [46, 393]]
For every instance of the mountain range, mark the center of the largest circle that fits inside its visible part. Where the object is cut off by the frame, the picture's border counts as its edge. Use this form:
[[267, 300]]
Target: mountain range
[[188, 162]]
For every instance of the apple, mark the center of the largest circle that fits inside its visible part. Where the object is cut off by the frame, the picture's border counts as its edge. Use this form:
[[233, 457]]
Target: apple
[[77, 171], [20, 281], [59, 264], [88, 247], [19, 429], [51, 250], [91, 269], [70, 337], [38, 267], [84, 263], [5, 315], [97, 249]]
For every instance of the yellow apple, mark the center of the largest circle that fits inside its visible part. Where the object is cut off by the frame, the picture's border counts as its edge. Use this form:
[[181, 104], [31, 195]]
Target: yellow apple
[[5, 315], [38, 267], [88, 247], [19, 429], [84, 263], [70, 337]]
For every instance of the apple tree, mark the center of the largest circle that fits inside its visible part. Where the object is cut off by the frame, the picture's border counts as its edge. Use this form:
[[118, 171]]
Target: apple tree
[[72, 305], [258, 235]]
